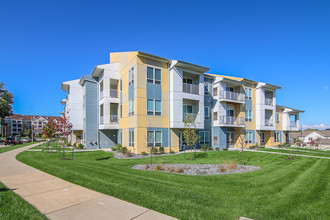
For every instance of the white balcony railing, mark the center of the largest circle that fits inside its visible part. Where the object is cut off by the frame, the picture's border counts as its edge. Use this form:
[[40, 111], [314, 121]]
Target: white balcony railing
[[293, 124], [235, 96], [268, 101], [194, 117], [101, 120], [231, 120], [113, 93], [113, 119], [269, 122], [190, 88]]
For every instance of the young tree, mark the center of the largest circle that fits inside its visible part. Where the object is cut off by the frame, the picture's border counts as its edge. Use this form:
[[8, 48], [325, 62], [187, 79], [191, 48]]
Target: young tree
[[189, 133], [49, 130], [6, 102], [242, 142]]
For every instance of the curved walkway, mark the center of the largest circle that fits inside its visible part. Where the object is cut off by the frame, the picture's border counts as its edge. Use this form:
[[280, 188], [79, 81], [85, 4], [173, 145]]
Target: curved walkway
[[298, 155], [59, 199]]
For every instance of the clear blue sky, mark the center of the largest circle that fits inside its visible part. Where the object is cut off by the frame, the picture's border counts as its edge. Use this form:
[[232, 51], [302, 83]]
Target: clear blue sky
[[286, 43]]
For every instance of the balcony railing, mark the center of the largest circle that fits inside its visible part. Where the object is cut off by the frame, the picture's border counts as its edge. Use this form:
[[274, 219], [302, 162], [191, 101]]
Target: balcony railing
[[101, 120], [293, 124], [113, 119], [268, 101], [190, 88], [113, 93], [269, 122], [101, 95], [235, 96], [194, 117], [231, 120]]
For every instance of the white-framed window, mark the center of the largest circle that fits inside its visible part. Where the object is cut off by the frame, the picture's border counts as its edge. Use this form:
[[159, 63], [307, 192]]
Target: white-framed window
[[204, 138], [248, 115], [154, 138], [215, 116], [276, 136], [277, 117], [215, 140], [215, 91], [248, 137], [131, 138], [207, 88], [154, 75], [207, 113], [131, 76], [131, 107], [248, 93], [154, 107]]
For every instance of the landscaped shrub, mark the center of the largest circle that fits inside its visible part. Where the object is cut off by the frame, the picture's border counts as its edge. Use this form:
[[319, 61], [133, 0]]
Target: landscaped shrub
[[123, 150], [222, 169], [180, 170], [154, 150], [128, 153], [113, 148], [161, 150], [280, 145], [172, 152], [169, 169], [225, 149], [204, 147], [200, 155], [80, 146], [217, 149], [210, 148], [68, 144], [252, 147], [118, 147], [144, 153], [231, 165], [257, 145], [74, 144], [158, 167], [146, 167]]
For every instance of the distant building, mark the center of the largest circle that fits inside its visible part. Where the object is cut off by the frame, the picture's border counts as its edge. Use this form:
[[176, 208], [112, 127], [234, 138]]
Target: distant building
[[319, 136], [17, 124]]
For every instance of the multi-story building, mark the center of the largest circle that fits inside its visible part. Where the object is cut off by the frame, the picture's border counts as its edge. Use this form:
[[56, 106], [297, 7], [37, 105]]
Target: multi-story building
[[141, 100], [16, 124]]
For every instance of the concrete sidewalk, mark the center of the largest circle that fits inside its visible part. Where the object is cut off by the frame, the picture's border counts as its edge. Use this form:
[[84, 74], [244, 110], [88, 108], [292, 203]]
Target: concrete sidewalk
[[298, 155], [59, 199]]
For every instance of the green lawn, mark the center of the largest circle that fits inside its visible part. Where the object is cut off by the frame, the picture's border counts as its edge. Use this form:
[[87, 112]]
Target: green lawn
[[14, 207], [12, 147], [282, 189], [316, 153], [51, 146]]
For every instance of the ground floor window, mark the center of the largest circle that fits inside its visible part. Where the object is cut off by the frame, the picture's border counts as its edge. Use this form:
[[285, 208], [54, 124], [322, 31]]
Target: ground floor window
[[131, 138], [248, 137], [276, 136], [215, 140], [204, 138], [154, 139]]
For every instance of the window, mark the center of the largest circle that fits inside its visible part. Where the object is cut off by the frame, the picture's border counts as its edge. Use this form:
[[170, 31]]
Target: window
[[248, 93], [154, 75], [207, 88], [207, 113], [215, 140], [248, 115], [215, 91], [204, 138], [276, 136], [131, 76], [248, 137], [121, 111], [131, 138], [277, 117], [154, 107], [154, 139], [131, 107], [215, 116]]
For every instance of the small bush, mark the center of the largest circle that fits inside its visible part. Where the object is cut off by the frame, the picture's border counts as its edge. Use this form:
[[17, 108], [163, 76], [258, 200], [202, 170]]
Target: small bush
[[210, 148], [128, 153], [222, 169], [144, 153], [113, 148], [68, 144], [74, 144], [280, 145], [231, 165], [118, 147], [225, 149], [252, 147], [169, 169], [217, 149], [257, 145], [204, 147], [123, 150], [180, 170], [262, 147], [161, 150], [158, 167], [154, 150], [172, 152], [200, 155], [146, 167], [79, 146]]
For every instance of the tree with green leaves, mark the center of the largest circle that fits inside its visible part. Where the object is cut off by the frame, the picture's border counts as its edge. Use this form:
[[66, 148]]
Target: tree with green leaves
[[6, 102], [189, 133], [49, 130]]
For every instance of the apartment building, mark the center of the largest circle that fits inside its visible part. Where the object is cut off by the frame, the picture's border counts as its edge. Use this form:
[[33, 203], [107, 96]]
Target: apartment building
[[141, 100]]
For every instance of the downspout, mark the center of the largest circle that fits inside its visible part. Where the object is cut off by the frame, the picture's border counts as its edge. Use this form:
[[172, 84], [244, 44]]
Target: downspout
[[169, 109]]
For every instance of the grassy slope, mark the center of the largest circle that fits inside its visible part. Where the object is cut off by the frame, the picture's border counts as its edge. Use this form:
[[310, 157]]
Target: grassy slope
[[282, 189], [13, 147], [14, 207], [319, 154]]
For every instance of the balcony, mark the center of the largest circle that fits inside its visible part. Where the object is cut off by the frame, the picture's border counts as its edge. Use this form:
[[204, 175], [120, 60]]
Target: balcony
[[231, 96], [269, 122], [101, 120], [231, 120], [101, 95], [293, 124], [268, 101], [190, 88], [113, 119], [194, 117], [113, 93]]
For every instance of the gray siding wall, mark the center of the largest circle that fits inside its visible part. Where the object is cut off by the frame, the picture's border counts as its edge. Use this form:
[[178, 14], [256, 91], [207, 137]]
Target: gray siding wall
[[91, 122], [108, 138]]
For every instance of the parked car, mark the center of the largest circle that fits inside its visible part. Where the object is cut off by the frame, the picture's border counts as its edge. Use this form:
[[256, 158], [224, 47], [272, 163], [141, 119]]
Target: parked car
[[13, 140], [26, 140]]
